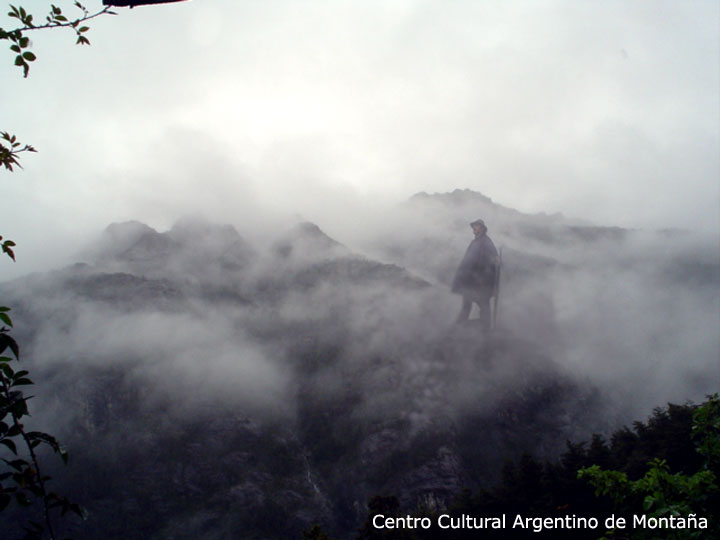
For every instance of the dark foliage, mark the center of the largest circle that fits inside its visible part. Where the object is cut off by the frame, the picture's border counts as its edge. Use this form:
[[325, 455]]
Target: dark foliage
[[530, 487]]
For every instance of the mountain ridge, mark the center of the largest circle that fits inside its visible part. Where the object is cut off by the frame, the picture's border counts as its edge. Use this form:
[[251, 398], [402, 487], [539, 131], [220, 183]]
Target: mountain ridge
[[219, 386]]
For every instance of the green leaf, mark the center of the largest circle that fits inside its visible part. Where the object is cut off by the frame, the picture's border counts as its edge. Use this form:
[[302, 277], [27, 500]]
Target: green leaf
[[7, 244], [7, 370], [47, 439], [30, 57], [6, 342], [10, 444], [6, 319], [22, 382], [19, 408]]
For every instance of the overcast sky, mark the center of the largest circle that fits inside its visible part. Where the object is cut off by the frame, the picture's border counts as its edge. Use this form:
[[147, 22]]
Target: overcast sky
[[602, 110]]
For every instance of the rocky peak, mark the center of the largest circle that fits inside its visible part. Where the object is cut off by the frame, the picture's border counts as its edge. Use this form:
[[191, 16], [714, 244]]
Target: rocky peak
[[457, 197], [307, 242], [118, 238], [191, 248]]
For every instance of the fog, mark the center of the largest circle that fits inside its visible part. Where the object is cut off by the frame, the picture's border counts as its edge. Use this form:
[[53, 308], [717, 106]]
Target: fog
[[291, 364], [246, 111], [202, 314], [236, 242]]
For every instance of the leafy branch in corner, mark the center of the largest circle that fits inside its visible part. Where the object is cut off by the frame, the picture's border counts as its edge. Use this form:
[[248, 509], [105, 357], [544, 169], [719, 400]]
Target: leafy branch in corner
[[22, 479], [659, 493], [9, 154], [20, 43]]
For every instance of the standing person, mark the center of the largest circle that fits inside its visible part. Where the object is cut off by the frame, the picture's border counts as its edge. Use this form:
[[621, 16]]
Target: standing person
[[475, 277]]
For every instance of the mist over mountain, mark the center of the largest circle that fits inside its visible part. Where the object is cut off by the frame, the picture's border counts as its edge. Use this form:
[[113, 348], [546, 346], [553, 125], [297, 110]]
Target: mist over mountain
[[206, 382]]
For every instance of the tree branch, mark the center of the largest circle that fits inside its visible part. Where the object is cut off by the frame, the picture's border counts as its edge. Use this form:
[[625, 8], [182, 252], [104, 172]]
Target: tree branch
[[59, 24]]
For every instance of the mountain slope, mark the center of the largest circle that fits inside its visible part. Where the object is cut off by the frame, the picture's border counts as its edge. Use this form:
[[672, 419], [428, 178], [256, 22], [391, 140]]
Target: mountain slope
[[205, 386]]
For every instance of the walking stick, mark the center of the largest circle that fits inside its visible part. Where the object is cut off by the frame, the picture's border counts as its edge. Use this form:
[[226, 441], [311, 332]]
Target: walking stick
[[496, 294]]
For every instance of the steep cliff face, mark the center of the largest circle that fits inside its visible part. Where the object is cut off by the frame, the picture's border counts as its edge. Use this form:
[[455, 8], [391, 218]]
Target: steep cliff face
[[206, 387]]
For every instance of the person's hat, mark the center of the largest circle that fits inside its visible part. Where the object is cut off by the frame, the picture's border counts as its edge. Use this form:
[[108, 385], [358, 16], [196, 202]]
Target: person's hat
[[478, 222]]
